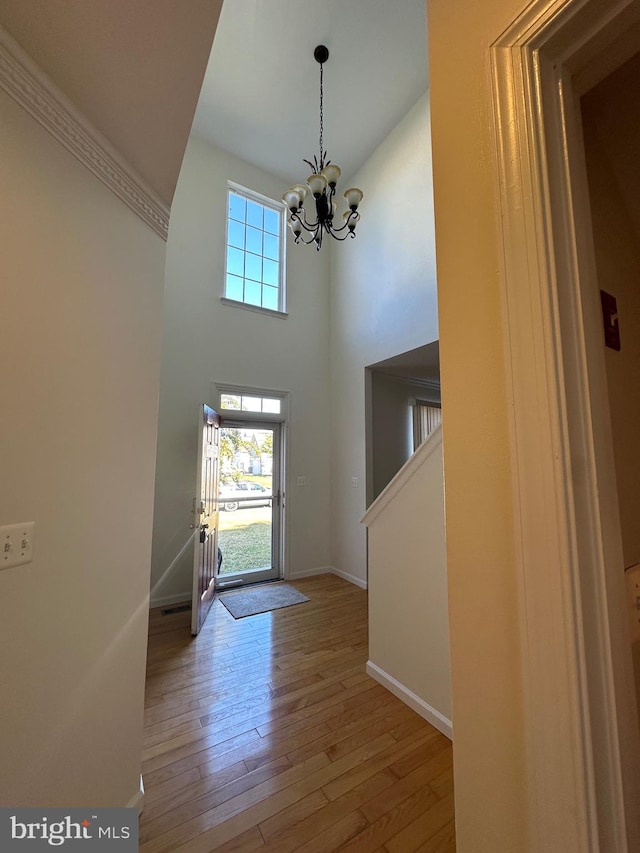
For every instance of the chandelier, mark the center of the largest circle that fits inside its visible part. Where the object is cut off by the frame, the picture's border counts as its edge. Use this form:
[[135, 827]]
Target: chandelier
[[321, 183]]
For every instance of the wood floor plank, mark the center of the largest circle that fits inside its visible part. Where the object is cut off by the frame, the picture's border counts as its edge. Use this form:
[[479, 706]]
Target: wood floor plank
[[241, 812], [444, 841], [316, 825], [408, 785], [424, 752], [159, 791], [335, 837], [203, 796], [293, 815], [266, 734], [245, 843], [421, 830], [390, 824], [443, 784], [368, 766]]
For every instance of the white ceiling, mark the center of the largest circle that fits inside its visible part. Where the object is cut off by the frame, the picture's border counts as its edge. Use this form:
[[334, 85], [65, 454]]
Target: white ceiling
[[260, 98]]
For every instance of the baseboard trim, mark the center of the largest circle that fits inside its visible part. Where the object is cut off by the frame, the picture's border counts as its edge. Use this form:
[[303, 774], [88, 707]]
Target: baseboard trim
[[179, 597], [409, 698], [137, 801], [347, 577], [309, 573], [327, 570], [167, 600]]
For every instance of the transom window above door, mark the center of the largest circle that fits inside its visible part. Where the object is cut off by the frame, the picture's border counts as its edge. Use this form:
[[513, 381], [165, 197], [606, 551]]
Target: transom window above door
[[255, 250], [250, 403]]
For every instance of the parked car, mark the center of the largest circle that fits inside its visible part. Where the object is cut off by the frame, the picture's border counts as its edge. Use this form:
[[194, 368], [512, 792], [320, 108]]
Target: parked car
[[234, 495]]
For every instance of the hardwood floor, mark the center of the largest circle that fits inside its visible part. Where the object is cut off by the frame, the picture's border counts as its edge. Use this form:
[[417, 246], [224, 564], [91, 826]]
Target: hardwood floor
[[266, 734]]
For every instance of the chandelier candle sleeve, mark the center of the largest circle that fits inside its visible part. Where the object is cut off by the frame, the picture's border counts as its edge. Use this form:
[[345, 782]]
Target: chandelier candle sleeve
[[321, 184]]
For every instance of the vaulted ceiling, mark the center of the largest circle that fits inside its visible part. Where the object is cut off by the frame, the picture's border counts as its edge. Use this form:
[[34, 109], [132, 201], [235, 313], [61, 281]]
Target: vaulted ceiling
[[260, 98], [134, 68]]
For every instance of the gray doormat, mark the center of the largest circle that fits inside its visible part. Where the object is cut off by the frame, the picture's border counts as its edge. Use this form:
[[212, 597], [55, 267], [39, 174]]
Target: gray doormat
[[260, 599]]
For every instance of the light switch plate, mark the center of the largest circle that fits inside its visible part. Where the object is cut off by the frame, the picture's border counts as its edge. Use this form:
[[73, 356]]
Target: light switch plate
[[16, 544], [633, 587]]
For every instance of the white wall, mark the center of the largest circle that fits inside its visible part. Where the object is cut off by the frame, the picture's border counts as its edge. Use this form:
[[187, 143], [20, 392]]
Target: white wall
[[383, 302], [408, 616], [80, 319], [392, 425], [205, 341]]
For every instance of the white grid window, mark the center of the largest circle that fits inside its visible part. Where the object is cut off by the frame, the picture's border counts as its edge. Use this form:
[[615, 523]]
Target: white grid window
[[250, 403], [255, 251]]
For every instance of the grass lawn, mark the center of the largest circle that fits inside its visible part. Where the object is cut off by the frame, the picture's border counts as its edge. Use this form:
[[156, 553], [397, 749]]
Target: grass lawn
[[244, 538]]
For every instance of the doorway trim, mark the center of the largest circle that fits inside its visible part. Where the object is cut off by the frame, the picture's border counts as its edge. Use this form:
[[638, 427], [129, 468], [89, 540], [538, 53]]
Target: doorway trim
[[582, 734], [255, 418], [274, 572]]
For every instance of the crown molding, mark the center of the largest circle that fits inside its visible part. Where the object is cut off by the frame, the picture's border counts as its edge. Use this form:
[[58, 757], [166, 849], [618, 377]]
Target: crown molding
[[36, 93], [431, 384]]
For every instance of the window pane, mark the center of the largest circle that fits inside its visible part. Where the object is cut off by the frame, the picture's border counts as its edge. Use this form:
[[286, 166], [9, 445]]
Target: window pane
[[272, 221], [254, 214], [229, 401], [254, 241], [235, 288], [252, 293], [251, 404], [253, 251], [271, 405], [270, 273], [235, 261], [236, 234], [271, 247], [270, 297], [253, 267], [237, 207]]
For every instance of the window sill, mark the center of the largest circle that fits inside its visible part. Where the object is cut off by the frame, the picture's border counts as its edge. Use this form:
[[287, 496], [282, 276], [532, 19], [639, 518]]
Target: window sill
[[234, 302]]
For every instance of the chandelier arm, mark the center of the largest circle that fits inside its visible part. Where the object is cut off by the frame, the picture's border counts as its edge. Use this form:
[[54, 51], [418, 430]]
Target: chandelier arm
[[299, 239], [308, 226], [349, 220], [341, 228], [333, 232]]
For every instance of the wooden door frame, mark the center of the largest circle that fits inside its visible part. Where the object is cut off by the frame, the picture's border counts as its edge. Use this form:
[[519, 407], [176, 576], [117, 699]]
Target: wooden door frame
[[582, 735]]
